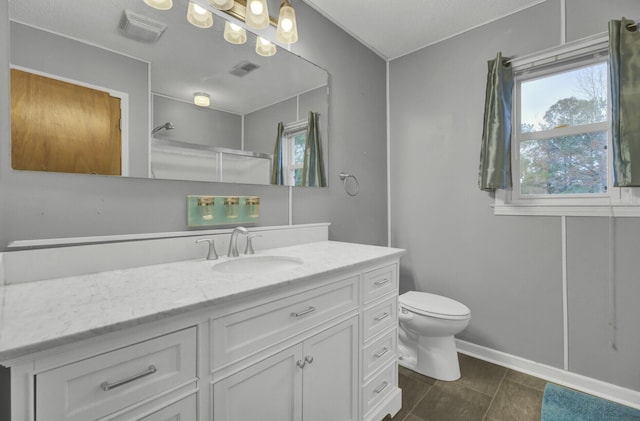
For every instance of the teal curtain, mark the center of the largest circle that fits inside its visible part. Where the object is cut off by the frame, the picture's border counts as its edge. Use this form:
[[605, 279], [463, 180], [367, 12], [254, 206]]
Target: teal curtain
[[624, 69], [277, 175], [313, 166], [495, 152]]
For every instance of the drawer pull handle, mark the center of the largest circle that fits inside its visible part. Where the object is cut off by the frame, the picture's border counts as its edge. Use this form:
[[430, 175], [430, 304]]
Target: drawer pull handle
[[301, 363], [382, 282], [303, 312], [381, 352], [106, 386], [308, 359], [382, 387], [381, 316]]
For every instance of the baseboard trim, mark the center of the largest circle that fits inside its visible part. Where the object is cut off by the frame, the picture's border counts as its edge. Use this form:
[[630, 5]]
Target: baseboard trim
[[562, 377]]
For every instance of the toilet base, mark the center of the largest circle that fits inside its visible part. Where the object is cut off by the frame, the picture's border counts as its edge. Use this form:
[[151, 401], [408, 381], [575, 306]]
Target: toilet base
[[434, 357]]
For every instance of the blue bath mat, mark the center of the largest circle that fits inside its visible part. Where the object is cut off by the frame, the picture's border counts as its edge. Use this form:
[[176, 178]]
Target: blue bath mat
[[562, 404]]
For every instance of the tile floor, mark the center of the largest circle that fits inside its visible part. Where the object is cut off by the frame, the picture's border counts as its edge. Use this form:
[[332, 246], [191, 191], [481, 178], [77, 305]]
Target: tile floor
[[485, 392]]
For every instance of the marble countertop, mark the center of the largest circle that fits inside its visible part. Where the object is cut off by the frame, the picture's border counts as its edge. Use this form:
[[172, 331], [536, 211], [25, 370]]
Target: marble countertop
[[40, 315]]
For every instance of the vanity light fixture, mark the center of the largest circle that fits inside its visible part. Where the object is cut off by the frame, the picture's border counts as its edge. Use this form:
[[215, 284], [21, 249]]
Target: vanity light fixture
[[199, 16], [201, 99], [160, 4], [234, 33], [265, 48], [222, 4], [257, 14], [287, 32]]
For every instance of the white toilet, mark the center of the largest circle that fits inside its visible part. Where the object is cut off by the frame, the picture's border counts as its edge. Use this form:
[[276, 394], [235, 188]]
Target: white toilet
[[428, 323]]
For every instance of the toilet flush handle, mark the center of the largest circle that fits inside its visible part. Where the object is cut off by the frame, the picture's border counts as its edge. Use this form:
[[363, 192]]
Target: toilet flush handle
[[404, 315]]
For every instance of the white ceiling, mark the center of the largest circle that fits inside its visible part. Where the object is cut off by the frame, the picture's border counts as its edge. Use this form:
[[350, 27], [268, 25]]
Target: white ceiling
[[393, 28]]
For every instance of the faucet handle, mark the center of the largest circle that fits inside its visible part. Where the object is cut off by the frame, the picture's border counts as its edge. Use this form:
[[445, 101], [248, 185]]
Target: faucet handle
[[248, 249], [211, 255]]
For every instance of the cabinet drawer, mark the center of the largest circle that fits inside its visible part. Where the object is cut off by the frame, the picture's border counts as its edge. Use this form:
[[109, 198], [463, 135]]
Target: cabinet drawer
[[379, 387], [100, 385], [379, 353], [184, 409], [378, 282], [245, 332], [380, 317]]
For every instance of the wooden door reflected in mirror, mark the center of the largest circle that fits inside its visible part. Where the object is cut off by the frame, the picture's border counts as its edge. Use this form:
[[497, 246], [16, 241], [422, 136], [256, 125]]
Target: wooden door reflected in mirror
[[58, 126]]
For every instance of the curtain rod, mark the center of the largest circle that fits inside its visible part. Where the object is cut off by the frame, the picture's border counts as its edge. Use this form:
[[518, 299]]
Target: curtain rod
[[569, 47]]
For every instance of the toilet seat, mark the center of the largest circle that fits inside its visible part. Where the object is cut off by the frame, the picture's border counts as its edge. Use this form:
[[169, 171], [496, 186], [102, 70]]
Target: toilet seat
[[433, 305]]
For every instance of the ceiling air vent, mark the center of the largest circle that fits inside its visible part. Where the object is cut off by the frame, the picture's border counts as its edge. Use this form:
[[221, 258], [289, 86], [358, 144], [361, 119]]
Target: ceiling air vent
[[243, 68], [141, 28]]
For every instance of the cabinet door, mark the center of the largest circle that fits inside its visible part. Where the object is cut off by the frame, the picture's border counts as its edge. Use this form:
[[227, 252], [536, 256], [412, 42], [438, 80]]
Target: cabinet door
[[330, 381], [268, 390]]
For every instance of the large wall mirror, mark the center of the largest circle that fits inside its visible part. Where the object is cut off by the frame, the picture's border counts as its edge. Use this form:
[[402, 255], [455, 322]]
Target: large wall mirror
[[125, 106]]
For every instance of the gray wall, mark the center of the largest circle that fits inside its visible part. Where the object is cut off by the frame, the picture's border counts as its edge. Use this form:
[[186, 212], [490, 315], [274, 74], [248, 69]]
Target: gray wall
[[507, 269], [38, 205], [201, 125], [56, 55], [260, 126]]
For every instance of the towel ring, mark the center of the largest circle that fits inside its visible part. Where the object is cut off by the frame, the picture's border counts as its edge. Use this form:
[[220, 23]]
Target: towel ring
[[345, 177]]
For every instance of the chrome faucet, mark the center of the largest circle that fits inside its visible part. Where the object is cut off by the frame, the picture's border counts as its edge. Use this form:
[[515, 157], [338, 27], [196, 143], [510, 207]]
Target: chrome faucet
[[233, 242]]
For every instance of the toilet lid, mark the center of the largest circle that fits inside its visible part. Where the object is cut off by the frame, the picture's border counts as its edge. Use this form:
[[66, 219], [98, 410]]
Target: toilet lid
[[434, 305]]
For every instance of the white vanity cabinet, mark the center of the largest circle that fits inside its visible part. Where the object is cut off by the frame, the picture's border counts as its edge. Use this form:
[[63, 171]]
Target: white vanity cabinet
[[378, 361], [327, 353], [315, 380], [317, 347], [151, 377]]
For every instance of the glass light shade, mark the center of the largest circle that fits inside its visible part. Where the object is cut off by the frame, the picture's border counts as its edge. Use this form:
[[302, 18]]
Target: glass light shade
[[222, 4], [199, 16], [201, 99], [234, 34], [257, 14], [160, 4], [264, 47], [287, 32]]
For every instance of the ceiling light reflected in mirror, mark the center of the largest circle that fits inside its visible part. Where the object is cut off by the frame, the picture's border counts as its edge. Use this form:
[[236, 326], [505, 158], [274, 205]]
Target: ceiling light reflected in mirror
[[201, 99], [160, 4], [264, 47], [198, 16], [234, 34], [222, 4]]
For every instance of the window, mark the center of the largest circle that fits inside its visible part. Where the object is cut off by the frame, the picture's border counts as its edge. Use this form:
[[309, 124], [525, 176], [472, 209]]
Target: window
[[561, 132], [294, 140], [561, 163]]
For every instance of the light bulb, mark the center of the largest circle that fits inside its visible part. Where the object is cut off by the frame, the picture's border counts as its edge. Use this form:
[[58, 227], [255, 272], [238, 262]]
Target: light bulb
[[256, 7], [199, 9], [287, 24], [234, 27], [257, 14]]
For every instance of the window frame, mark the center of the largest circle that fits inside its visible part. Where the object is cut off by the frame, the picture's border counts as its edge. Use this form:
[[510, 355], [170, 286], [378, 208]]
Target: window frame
[[616, 201], [291, 130]]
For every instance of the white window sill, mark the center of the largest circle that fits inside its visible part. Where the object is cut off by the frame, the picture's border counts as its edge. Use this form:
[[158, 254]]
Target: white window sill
[[565, 210], [621, 203]]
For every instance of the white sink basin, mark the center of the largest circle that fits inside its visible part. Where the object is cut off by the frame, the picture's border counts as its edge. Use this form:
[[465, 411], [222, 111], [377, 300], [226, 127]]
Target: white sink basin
[[258, 264]]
